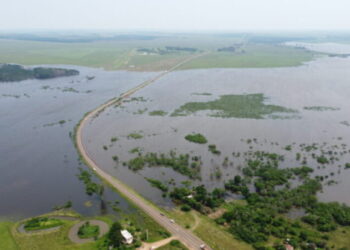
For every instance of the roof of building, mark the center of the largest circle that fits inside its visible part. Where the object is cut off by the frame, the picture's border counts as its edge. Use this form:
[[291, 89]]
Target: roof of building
[[126, 234]]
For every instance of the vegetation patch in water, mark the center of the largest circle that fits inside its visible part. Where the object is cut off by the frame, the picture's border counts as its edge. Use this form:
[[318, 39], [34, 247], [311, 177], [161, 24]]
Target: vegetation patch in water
[[157, 184], [135, 136], [204, 93], [181, 163], [212, 148], [239, 106], [321, 108], [158, 113], [196, 138]]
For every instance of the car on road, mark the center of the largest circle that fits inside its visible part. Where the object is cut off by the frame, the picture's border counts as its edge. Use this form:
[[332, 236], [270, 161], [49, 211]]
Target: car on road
[[172, 221], [161, 214], [202, 247]]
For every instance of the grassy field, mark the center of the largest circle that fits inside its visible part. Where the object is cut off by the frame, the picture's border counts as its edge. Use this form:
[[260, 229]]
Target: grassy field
[[254, 56], [217, 237], [7, 241], [11, 239], [122, 55], [173, 245], [206, 229]]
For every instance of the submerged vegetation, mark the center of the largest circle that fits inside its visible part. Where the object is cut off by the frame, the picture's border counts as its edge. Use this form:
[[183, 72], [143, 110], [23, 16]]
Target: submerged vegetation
[[212, 148], [321, 108], [181, 163], [135, 136], [158, 113], [90, 186], [239, 106], [270, 192], [196, 138], [158, 184]]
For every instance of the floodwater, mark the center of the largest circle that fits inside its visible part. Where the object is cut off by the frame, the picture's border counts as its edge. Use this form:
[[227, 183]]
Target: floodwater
[[323, 82], [39, 163]]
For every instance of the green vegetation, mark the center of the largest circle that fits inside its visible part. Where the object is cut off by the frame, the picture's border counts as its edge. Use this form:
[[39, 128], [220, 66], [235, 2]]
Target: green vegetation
[[321, 108], [347, 165], [90, 186], [115, 158], [114, 236], [198, 198], [88, 231], [196, 138], [114, 139], [140, 111], [179, 163], [135, 136], [212, 148], [322, 160], [158, 113], [262, 216], [204, 93], [239, 106], [66, 205], [10, 73], [7, 242], [158, 184], [253, 55], [217, 236], [173, 245], [133, 53], [40, 223]]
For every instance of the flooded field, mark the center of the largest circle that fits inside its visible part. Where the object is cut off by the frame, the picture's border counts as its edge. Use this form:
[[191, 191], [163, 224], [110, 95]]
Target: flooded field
[[301, 113], [39, 164]]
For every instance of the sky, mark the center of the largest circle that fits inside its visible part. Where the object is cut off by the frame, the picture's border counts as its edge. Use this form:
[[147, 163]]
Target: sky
[[176, 15]]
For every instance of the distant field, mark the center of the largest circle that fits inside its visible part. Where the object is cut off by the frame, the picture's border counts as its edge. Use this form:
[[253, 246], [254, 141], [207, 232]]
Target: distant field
[[254, 56], [126, 55]]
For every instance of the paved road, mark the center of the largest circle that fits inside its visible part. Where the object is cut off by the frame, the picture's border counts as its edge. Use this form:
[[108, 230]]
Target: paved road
[[185, 236]]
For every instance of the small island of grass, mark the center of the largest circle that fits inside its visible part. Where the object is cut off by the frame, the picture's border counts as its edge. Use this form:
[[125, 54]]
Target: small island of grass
[[239, 106], [87, 231], [321, 108], [135, 136], [196, 138], [158, 113], [40, 223]]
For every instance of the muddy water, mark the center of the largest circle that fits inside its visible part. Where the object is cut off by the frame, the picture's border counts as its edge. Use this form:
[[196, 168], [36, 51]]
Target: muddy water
[[39, 163], [324, 82]]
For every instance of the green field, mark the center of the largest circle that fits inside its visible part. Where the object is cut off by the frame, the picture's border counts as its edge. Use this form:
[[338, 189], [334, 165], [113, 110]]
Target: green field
[[126, 55], [173, 245], [7, 241], [253, 56]]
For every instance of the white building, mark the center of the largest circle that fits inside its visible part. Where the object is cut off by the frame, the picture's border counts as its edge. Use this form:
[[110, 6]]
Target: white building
[[127, 236]]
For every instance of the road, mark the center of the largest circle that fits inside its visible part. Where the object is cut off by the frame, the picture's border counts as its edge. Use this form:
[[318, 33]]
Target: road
[[185, 236]]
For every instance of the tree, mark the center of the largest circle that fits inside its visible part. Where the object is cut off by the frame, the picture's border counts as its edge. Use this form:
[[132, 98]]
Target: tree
[[114, 235]]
